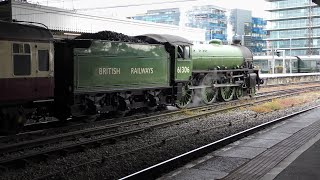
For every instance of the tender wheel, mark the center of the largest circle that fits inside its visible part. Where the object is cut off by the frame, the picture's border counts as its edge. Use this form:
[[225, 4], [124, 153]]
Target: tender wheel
[[186, 96], [122, 109], [227, 93], [209, 95], [152, 103], [238, 93]]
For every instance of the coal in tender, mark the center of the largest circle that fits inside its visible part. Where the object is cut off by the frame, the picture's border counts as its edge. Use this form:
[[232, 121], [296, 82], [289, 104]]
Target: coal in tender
[[111, 36]]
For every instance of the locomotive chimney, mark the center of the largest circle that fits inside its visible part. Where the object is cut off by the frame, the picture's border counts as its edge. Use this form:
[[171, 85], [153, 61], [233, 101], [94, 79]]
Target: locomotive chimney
[[236, 40]]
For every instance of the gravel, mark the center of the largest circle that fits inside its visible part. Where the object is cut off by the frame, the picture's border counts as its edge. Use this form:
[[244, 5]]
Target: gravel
[[176, 139]]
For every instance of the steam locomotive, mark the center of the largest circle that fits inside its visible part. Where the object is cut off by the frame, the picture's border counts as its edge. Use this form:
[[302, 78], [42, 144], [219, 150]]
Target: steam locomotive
[[100, 73]]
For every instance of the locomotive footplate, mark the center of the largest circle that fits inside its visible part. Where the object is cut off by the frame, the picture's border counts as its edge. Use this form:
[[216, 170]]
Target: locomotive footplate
[[216, 86]]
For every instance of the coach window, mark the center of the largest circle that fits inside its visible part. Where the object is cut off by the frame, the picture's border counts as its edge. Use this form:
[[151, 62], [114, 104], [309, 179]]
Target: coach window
[[21, 59], [43, 58]]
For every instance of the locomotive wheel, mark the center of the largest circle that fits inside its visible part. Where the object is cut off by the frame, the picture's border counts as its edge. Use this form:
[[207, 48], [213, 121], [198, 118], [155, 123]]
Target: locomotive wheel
[[227, 93], [209, 95], [238, 93], [186, 96]]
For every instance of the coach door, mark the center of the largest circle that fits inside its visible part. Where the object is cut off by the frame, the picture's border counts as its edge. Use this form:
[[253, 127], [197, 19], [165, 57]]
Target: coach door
[[21, 86], [44, 72]]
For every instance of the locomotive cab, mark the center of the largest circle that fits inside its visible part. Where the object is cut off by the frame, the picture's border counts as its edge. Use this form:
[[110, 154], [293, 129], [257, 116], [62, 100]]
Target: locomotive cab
[[183, 63], [179, 50]]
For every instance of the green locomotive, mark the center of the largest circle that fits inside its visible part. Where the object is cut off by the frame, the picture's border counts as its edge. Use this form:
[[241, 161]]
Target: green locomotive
[[108, 76]]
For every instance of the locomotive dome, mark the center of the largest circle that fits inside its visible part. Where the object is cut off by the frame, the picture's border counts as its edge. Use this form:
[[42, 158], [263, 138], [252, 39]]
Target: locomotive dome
[[215, 41]]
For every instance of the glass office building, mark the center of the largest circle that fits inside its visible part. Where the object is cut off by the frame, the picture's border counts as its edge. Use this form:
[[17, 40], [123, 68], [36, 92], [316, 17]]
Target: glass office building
[[258, 36], [295, 26], [211, 18], [250, 29], [165, 16]]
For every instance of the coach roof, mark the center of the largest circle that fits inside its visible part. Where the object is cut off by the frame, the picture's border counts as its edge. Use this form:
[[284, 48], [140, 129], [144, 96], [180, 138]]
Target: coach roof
[[16, 31]]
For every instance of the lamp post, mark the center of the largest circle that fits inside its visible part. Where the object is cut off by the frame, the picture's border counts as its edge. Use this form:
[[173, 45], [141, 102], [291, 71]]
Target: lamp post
[[273, 61], [290, 57]]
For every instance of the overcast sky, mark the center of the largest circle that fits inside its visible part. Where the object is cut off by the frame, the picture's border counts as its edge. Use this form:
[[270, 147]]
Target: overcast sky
[[118, 7]]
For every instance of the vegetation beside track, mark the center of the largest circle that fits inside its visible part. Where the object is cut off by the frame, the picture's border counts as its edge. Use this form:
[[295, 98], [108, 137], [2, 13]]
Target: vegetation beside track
[[287, 102]]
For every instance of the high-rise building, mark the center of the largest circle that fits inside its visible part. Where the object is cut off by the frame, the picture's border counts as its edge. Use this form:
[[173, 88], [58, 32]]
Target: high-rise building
[[258, 36], [211, 18], [250, 29], [240, 21], [165, 16], [295, 27]]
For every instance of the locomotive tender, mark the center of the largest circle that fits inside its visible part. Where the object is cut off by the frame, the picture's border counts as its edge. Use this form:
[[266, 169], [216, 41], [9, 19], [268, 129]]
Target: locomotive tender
[[40, 76], [99, 76]]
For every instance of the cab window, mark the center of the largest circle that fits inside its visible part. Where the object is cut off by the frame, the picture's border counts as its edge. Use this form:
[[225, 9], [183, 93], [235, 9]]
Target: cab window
[[180, 52], [21, 59], [187, 52], [184, 52]]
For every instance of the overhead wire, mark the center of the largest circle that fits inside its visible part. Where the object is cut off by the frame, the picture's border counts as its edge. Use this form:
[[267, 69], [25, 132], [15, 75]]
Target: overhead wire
[[118, 6], [74, 10], [131, 5]]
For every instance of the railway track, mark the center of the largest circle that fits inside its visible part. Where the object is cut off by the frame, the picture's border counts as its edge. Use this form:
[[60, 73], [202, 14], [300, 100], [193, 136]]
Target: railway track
[[65, 128], [76, 145], [288, 84]]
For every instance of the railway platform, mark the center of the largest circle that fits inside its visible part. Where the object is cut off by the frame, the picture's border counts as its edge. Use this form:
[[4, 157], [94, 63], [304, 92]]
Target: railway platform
[[287, 150], [275, 79]]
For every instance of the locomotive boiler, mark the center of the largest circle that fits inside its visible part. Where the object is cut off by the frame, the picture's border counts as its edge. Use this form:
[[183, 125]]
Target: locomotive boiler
[[223, 72]]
